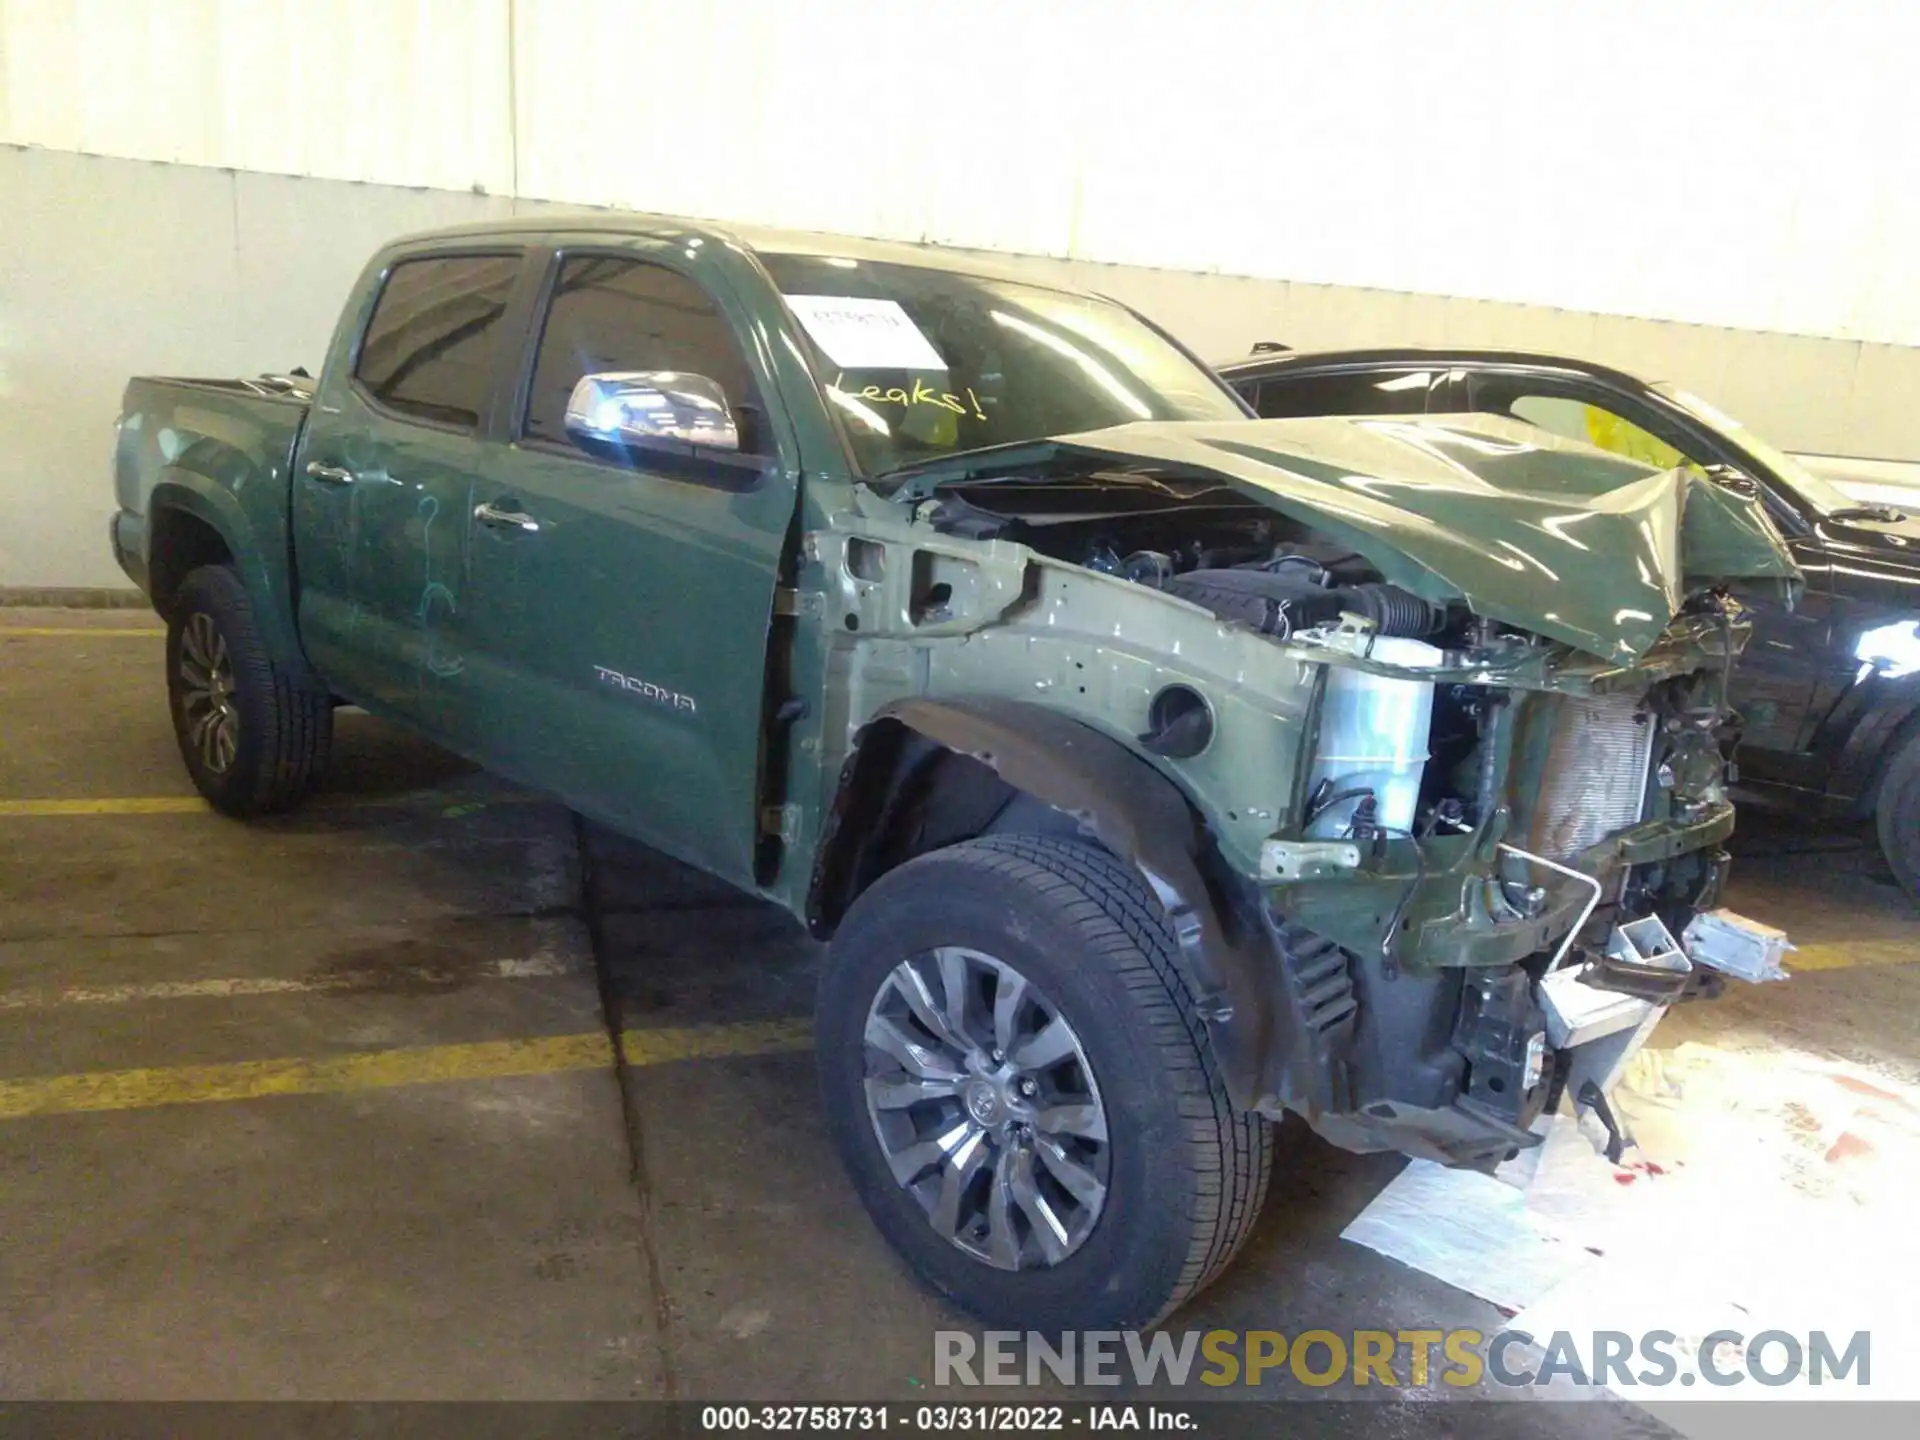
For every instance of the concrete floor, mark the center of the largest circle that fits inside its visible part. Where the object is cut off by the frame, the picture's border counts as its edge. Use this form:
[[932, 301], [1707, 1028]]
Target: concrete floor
[[523, 1218]]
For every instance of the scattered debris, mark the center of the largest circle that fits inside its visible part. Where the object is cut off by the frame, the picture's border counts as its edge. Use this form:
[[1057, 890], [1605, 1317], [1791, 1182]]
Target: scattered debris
[[1750, 1144]]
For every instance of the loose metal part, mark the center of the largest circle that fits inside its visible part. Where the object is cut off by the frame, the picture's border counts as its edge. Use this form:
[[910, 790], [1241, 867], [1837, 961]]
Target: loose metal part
[[1734, 944], [1306, 859], [1558, 868]]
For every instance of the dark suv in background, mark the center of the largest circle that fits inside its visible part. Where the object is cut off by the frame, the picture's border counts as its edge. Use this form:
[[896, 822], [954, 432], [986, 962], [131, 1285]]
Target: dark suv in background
[[1830, 690]]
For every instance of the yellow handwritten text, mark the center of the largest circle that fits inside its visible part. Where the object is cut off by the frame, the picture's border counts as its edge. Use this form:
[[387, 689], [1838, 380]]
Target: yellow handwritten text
[[921, 394]]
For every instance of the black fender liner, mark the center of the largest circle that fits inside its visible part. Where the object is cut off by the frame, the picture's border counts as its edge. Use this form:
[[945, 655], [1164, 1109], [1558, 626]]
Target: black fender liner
[[1296, 1022], [1130, 808]]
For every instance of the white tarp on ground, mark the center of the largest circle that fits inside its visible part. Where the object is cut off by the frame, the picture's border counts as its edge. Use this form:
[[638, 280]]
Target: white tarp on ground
[[1768, 1190]]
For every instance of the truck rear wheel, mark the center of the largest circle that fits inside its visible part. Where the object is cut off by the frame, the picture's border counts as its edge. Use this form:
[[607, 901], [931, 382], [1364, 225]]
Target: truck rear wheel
[[253, 740], [1897, 813], [1023, 1094]]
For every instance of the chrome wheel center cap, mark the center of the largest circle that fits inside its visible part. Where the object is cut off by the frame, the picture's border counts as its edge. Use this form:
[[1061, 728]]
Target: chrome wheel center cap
[[983, 1102]]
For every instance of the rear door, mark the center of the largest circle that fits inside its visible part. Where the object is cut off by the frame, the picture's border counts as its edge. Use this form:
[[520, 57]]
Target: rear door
[[384, 487], [624, 602]]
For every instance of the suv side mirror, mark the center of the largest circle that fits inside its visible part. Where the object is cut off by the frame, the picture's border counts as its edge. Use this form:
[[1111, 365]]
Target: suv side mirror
[[638, 407], [1729, 478]]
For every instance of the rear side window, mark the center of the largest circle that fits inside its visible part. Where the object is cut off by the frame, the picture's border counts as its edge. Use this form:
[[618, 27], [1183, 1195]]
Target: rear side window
[[430, 347], [1406, 392], [609, 313]]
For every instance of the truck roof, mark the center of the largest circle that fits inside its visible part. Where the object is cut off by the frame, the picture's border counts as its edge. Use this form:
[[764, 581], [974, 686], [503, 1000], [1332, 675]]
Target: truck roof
[[1262, 365], [757, 239]]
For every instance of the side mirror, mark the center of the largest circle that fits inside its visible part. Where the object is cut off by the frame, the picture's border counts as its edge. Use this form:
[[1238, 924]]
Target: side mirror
[[1729, 478], [635, 407]]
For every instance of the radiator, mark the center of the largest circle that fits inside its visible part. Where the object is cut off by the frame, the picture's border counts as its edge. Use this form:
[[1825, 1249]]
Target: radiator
[[1596, 773]]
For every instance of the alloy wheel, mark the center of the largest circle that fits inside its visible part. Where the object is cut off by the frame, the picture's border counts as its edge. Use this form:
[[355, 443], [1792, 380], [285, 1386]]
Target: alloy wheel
[[207, 706], [986, 1108]]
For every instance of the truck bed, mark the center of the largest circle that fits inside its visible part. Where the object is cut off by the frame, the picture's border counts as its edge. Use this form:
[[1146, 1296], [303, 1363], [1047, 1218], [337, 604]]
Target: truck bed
[[228, 442], [163, 418]]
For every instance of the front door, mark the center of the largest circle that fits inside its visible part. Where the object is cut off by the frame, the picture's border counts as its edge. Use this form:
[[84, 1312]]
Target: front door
[[384, 488], [623, 603]]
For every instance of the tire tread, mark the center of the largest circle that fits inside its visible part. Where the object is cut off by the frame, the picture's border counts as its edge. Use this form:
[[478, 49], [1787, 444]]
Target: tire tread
[[1230, 1151], [1897, 817], [292, 721]]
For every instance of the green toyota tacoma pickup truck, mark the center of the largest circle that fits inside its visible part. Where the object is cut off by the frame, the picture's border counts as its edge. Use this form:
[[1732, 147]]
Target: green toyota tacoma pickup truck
[[1153, 770]]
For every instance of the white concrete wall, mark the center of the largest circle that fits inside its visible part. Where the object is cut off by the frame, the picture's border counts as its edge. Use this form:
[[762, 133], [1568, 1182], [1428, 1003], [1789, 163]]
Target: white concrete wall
[[1622, 181], [1750, 163], [110, 268], [114, 267]]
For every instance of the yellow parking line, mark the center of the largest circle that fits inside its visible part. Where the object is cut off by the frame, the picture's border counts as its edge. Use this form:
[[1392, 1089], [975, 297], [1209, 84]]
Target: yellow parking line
[[1846, 954], [125, 805], [384, 1069], [6, 630], [194, 805]]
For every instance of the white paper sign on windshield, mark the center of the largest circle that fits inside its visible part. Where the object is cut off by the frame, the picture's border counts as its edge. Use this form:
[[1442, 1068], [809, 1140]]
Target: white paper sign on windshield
[[865, 334]]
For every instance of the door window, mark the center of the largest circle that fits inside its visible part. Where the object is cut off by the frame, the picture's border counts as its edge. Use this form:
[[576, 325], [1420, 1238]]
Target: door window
[[1597, 426], [429, 349], [1403, 392], [610, 314]]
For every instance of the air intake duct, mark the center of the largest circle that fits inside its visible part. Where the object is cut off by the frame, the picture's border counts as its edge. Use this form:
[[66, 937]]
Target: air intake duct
[[1395, 611], [1279, 603]]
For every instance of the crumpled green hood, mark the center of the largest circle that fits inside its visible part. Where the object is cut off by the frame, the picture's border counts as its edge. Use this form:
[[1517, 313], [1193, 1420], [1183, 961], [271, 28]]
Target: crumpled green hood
[[1545, 534]]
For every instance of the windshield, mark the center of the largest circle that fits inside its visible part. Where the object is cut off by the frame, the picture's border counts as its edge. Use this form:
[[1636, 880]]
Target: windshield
[[1822, 495], [921, 363]]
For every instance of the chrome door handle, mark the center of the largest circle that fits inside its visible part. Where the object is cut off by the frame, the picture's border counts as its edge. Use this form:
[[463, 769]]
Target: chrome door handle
[[332, 474], [504, 519]]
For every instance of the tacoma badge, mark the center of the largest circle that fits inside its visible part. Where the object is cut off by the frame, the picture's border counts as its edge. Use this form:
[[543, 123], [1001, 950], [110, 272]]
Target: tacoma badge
[[647, 690]]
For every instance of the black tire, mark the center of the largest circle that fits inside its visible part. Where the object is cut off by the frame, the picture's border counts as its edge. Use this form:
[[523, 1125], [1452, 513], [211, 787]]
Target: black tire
[[284, 728], [1188, 1171], [1896, 810]]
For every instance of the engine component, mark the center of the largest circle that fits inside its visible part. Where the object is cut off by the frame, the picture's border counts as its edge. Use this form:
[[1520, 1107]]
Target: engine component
[[1596, 773], [1373, 740], [1257, 598], [1395, 611], [1148, 567], [1279, 602]]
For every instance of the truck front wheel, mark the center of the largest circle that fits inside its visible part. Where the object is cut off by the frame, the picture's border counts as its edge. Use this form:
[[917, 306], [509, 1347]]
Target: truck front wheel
[[1023, 1094], [253, 739]]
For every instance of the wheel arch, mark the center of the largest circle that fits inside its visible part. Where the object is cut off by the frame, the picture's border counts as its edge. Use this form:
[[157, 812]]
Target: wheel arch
[[927, 773], [1866, 736], [193, 521]]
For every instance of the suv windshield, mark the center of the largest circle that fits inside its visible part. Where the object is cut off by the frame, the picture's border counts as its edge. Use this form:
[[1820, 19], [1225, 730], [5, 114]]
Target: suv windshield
[[1822, 495], [922, 363]]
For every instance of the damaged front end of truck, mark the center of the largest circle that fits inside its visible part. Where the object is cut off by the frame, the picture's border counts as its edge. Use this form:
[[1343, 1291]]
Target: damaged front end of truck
[[1445, 700]]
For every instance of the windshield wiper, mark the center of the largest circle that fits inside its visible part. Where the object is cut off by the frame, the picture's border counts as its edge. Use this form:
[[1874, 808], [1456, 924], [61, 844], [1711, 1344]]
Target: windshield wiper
[[1868, 512]]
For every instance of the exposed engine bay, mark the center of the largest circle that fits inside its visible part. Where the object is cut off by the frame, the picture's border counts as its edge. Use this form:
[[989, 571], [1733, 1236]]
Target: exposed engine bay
[[1495, 822], [1199, 540], [1204, 543]]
